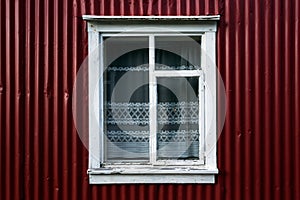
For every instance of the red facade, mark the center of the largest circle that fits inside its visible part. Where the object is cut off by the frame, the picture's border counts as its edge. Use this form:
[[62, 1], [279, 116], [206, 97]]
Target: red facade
[[43, 44]]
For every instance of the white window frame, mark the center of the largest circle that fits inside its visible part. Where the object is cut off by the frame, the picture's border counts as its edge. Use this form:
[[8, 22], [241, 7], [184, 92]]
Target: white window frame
[[202, 171]]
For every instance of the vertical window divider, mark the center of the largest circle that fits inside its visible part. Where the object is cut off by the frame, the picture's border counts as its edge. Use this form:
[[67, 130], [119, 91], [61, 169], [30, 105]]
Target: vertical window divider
[[101, 102], [152, 100], [202, 118]]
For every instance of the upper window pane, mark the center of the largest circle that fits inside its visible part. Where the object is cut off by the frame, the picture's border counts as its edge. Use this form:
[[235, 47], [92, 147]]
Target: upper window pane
[[177, 52]]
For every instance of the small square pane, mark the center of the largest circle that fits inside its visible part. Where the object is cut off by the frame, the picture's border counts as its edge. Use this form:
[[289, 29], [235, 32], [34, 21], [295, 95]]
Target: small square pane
[[177, 52]]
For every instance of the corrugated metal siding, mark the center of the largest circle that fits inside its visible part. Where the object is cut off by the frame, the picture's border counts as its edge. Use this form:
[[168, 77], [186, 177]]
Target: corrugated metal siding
[[42, 46]]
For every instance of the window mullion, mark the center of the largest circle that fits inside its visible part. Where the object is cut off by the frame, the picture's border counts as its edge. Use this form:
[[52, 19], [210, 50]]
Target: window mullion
[[201, 119], [153, 100], [101, 97]]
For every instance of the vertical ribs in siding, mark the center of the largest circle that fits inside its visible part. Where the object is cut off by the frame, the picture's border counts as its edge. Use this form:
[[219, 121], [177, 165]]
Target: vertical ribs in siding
[[287, 165], [296, 114], [257, 120]]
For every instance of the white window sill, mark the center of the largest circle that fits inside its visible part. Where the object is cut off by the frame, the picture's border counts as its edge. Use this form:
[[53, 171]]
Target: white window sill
[[151, 175]]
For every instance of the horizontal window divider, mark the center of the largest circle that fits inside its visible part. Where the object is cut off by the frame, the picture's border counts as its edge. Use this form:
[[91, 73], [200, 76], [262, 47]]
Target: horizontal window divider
[[178, 73]]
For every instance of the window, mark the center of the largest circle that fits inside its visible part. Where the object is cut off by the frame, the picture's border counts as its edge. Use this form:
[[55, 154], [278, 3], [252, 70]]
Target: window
[[152, 108]]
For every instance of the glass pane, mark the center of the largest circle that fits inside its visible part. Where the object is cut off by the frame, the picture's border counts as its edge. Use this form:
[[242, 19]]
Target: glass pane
[[177, 53], [126, 104], [178, 118]]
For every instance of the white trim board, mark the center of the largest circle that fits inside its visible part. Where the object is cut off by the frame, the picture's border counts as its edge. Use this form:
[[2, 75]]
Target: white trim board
[[152, 28], [152, 18], [155, 24], [150, 175], [153, 178]]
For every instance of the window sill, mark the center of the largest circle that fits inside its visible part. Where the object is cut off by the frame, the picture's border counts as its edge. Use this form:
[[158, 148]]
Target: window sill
[[151, 175]]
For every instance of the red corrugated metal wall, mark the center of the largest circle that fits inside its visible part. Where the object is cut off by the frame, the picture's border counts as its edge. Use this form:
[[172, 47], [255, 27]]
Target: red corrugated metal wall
[[42, 46]]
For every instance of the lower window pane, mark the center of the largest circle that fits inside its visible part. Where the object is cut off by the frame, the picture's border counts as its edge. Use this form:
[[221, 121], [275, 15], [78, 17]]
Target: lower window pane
[[178, 118], [127, 122]]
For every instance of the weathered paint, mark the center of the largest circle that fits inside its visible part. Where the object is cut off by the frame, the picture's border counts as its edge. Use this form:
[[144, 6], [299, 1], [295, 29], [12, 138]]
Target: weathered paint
[[42, 46]]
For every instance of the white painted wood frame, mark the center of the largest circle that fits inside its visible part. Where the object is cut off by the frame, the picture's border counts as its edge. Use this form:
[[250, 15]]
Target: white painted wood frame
[[168, 171]]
